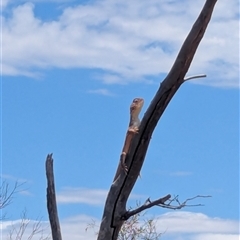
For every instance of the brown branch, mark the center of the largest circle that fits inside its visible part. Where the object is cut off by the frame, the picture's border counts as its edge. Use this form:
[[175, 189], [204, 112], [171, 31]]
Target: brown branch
[[161, 202], [51, 200], [146, 205]]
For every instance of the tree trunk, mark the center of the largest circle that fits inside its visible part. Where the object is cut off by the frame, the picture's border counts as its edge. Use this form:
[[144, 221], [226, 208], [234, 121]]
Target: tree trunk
[[51, 200]]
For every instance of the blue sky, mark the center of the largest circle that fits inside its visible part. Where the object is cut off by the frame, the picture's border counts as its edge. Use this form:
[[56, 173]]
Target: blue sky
[[70, 70]]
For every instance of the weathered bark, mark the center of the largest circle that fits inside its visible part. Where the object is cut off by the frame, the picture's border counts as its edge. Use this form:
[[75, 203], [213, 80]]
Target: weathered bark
[[51, 200], [115, 206]]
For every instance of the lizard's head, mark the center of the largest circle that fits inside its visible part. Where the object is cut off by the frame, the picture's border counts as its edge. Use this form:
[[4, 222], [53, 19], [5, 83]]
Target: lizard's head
[[136, 106]]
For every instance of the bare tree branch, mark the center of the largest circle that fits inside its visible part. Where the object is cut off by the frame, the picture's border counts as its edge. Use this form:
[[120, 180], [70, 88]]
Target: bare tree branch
[[7, 194], [193, 77], [161, 202], [19, 232], [139, 227], [146, 205]]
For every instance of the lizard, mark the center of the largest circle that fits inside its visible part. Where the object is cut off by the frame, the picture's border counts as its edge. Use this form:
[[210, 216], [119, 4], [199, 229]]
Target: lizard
[[133, 128]]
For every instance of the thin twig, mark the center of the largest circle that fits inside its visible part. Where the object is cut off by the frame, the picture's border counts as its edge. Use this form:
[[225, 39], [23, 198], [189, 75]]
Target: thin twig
[[195, 76], [184, 204], [6, 195]]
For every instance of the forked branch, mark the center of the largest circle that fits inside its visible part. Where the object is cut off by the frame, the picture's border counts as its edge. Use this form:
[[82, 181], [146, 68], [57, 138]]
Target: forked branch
[[161, 202], [183, 204]]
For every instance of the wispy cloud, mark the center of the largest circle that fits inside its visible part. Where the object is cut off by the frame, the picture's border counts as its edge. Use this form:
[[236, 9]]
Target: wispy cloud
[[82, 195], [88, 196], [101, 91], [130, 40], [211, 236], [25, 227], [76, 227], [9, 177]]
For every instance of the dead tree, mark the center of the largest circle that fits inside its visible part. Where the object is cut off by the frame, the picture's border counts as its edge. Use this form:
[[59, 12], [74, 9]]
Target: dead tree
[[51, 200], [115, 212]]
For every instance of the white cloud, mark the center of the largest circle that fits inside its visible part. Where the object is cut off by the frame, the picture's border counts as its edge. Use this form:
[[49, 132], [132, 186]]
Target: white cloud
[[211, 236], [24, 228], [77, 227], [188, 222], [173, 225], [13, 178], [131, 39], [82, 195], [74, 228]]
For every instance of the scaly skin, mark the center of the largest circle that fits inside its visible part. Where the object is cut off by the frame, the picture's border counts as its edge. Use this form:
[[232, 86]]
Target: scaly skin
[[133, 127]]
